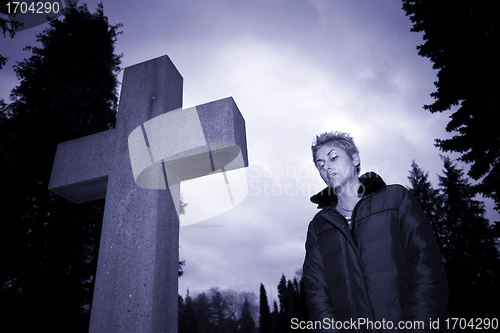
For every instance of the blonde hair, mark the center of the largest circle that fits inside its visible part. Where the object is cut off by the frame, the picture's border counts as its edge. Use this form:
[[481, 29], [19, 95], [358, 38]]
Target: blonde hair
[[339, 139]]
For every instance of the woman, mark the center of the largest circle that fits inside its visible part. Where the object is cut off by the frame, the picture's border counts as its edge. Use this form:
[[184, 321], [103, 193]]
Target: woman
[[372, 262]]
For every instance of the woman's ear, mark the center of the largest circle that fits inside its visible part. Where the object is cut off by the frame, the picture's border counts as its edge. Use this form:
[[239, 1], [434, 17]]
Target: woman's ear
[[355, 159]]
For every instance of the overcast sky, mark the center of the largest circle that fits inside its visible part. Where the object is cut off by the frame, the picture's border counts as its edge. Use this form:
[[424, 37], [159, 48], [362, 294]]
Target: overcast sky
[[295, 68]]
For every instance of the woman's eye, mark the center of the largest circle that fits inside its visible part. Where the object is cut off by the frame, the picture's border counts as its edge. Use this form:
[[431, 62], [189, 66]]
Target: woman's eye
[[333, 157]]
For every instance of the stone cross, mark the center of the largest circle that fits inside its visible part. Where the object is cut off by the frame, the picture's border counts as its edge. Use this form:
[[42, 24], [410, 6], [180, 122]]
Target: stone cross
[[155, 145]]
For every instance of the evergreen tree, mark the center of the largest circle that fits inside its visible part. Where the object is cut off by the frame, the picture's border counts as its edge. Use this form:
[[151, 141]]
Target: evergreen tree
[[202, 313], [292, 304], [247, 325], [282, 292], [275, 317], [302, 312], [471, 258], [294, 291], [467, 240], [180, 312], [67, 90], [265, 314], [284, 304], [461, 39], [187, 319], [431, 202]]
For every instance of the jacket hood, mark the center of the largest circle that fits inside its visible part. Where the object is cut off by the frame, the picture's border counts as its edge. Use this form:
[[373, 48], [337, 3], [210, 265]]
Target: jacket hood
[[370, 183]]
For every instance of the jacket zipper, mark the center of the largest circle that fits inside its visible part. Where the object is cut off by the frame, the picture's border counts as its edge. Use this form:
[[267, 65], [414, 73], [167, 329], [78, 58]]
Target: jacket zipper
[[352, 240], [365, 291], [347, 234]]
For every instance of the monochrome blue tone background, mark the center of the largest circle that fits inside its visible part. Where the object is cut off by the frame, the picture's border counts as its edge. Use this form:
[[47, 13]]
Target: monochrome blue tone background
[[295, 69]]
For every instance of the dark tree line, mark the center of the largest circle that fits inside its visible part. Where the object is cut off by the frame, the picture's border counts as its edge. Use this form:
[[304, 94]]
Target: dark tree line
[[292, 304], [461, 38], [217, 311], [67, 89], [467, 241]]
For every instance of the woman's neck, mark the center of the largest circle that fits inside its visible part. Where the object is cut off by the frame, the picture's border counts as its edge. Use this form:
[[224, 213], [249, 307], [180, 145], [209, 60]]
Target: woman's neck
[[348, 198]]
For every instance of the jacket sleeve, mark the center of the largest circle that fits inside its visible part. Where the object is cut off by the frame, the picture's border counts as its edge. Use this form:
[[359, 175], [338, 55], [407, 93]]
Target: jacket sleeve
[[319, 304], [427, 291]]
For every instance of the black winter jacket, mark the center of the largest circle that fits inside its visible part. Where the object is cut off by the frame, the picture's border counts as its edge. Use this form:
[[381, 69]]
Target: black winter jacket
[[386, 269]]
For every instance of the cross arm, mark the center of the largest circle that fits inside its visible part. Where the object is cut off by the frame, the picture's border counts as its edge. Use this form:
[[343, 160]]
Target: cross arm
[[81, 167]]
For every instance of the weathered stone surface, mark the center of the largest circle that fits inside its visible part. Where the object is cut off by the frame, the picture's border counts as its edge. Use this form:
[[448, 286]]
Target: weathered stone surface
[[136, 278], [81, 174]]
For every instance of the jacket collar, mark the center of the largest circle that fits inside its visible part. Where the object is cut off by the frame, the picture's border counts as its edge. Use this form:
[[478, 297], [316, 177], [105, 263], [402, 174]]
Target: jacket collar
[[370, 181]]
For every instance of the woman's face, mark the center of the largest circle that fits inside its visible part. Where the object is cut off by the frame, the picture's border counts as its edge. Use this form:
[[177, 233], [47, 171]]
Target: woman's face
[[335, 166]]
